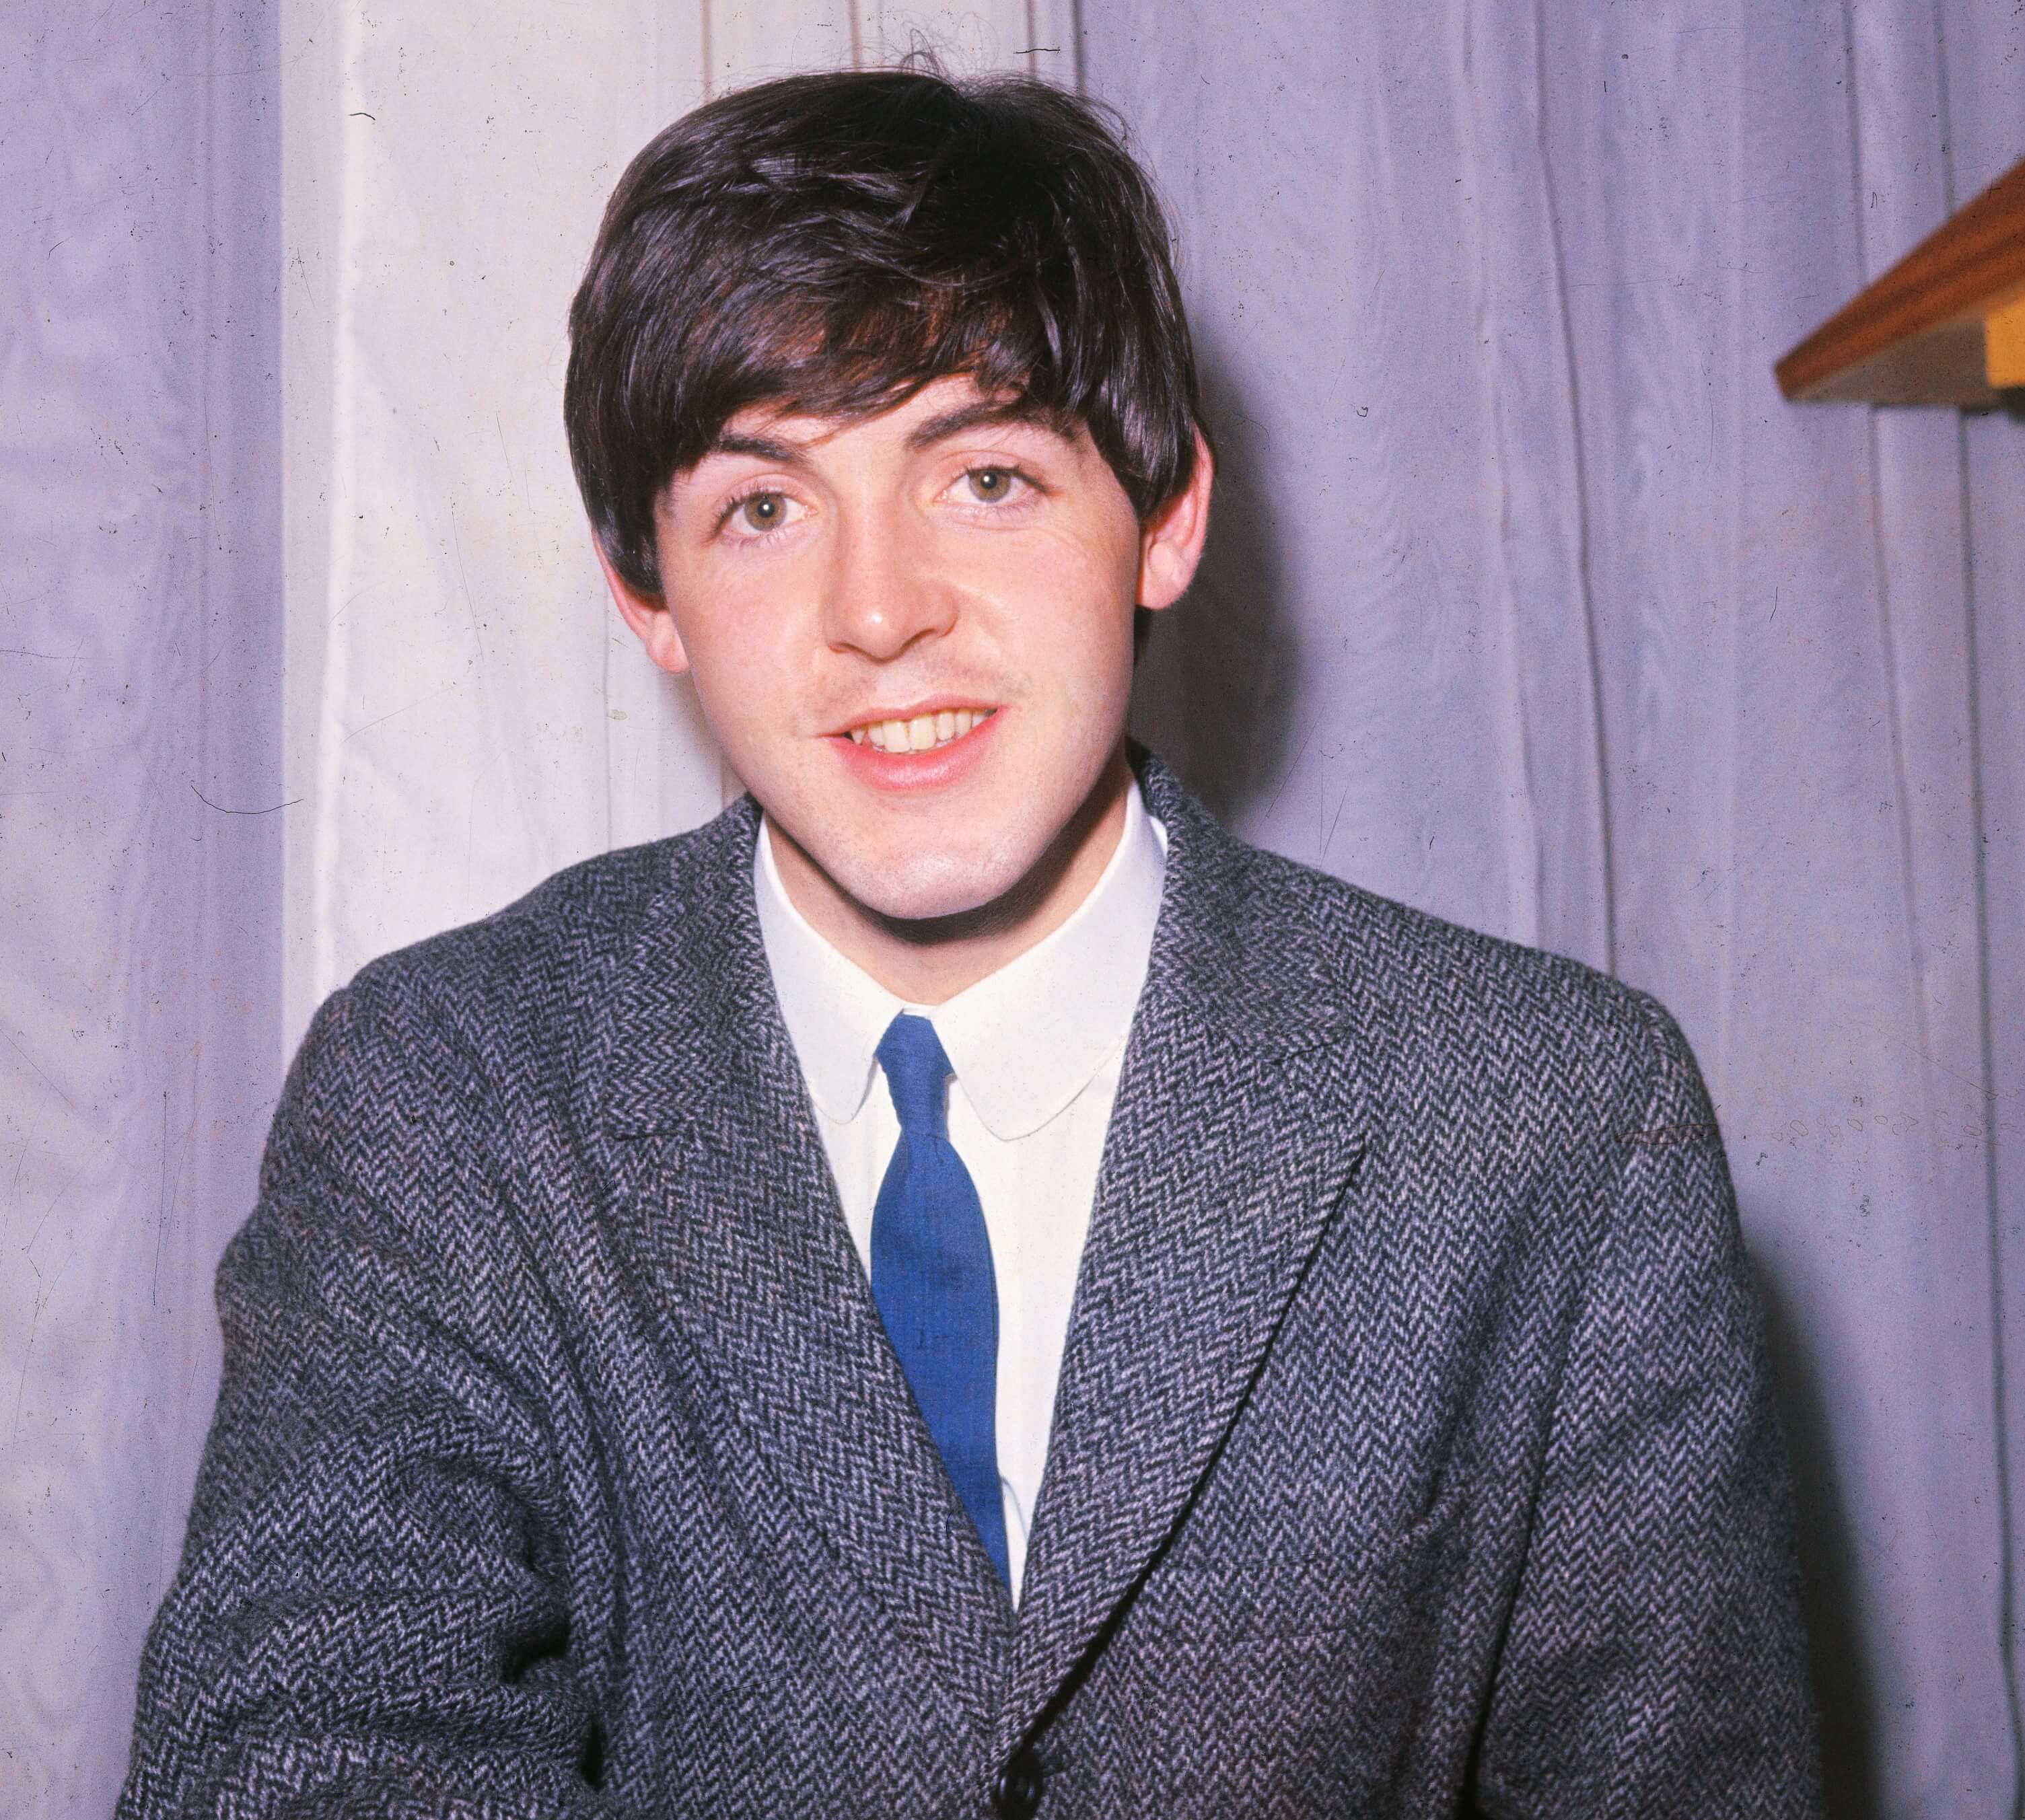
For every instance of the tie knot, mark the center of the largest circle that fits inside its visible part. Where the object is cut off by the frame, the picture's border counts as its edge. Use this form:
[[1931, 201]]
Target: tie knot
[[912, 1055]]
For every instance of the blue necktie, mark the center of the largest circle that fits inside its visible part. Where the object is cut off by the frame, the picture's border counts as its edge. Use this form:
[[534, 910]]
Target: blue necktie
[[931, 1279]]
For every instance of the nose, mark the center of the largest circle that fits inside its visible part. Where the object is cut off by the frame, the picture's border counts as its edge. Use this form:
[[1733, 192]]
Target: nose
[[883, 591]]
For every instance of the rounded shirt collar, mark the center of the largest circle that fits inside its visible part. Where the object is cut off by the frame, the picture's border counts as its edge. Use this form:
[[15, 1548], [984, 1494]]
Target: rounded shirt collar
[[1023, 1041]]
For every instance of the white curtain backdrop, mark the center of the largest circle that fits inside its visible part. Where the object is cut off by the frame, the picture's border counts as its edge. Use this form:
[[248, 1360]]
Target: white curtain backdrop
[[140, 818]]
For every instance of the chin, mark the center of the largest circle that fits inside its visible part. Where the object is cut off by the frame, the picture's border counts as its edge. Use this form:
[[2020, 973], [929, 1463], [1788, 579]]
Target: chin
[[926, 887], [933, 858]]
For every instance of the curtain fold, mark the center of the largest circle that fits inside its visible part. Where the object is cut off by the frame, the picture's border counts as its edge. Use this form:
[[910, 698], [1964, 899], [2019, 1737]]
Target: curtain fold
[[141, 803]]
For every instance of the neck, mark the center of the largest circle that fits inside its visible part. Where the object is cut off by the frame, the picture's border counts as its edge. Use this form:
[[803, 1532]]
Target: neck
[[931, 959]]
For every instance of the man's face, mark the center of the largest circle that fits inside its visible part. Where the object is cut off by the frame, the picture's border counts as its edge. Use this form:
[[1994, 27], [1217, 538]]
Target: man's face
[[912, 633]]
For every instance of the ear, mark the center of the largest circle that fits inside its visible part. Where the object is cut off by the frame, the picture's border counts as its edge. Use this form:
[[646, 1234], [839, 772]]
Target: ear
[[1170, 544], [653, 624]]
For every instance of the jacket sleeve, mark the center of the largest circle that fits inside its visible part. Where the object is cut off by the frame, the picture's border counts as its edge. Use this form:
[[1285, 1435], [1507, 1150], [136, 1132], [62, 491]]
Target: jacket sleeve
[[1653, 1663], [370, 1615]]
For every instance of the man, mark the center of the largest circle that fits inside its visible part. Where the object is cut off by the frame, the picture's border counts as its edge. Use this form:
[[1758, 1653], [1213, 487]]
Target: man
[[959, 1288]]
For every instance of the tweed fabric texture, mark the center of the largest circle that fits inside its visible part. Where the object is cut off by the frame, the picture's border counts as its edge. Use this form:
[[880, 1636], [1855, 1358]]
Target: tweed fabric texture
[[1414, 1453]]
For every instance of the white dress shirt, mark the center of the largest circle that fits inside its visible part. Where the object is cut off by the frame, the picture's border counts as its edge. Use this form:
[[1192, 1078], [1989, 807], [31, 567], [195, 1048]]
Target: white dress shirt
[[1035, 1049]]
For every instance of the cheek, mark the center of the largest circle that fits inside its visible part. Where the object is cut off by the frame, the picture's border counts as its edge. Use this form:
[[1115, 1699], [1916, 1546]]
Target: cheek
[[1062, 609], [739, 631]]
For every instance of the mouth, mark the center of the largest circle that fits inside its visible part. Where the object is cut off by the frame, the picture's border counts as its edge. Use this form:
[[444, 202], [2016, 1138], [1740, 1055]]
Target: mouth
[[920, 733]]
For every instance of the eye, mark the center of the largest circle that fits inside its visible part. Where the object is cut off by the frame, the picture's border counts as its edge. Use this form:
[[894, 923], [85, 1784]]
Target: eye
[[989, 486], [754, 515]]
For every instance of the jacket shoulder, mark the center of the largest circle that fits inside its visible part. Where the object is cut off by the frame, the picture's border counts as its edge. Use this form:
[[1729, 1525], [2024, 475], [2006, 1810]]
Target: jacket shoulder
[[1450, 995], [529, 978]]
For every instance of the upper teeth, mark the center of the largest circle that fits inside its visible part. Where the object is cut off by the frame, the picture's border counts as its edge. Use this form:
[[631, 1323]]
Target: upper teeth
[[921, 733]]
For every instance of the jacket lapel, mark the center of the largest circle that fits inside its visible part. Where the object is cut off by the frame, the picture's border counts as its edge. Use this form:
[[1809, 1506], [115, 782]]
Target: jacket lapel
[[735, 1212], [1235, 1132]]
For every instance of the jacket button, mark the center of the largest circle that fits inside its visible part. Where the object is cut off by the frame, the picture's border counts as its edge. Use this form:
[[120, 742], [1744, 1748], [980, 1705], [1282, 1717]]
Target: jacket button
[[1016, 1790]]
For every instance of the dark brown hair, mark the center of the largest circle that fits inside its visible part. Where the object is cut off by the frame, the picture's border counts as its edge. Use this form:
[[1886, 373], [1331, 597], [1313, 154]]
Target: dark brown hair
[[831, 244]]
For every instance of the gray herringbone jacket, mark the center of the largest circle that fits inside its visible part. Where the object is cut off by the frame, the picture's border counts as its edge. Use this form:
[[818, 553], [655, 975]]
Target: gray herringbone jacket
[[1414, 1453]]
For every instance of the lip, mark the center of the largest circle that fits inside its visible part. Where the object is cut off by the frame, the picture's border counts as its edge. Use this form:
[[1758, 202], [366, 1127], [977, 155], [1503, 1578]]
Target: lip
[[928, 705], [909, 772]]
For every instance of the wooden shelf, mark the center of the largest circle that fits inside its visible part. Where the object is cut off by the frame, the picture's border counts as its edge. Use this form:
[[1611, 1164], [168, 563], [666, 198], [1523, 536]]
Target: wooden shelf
[[1945, 326]]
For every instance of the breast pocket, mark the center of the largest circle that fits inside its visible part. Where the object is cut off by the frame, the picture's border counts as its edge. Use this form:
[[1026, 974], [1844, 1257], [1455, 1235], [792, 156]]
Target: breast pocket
[[1310, 1571]]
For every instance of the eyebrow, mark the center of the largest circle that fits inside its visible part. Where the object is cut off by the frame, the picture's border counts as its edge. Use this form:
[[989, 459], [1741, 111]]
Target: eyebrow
[[925, 434], [760, 448], [978, 412]]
